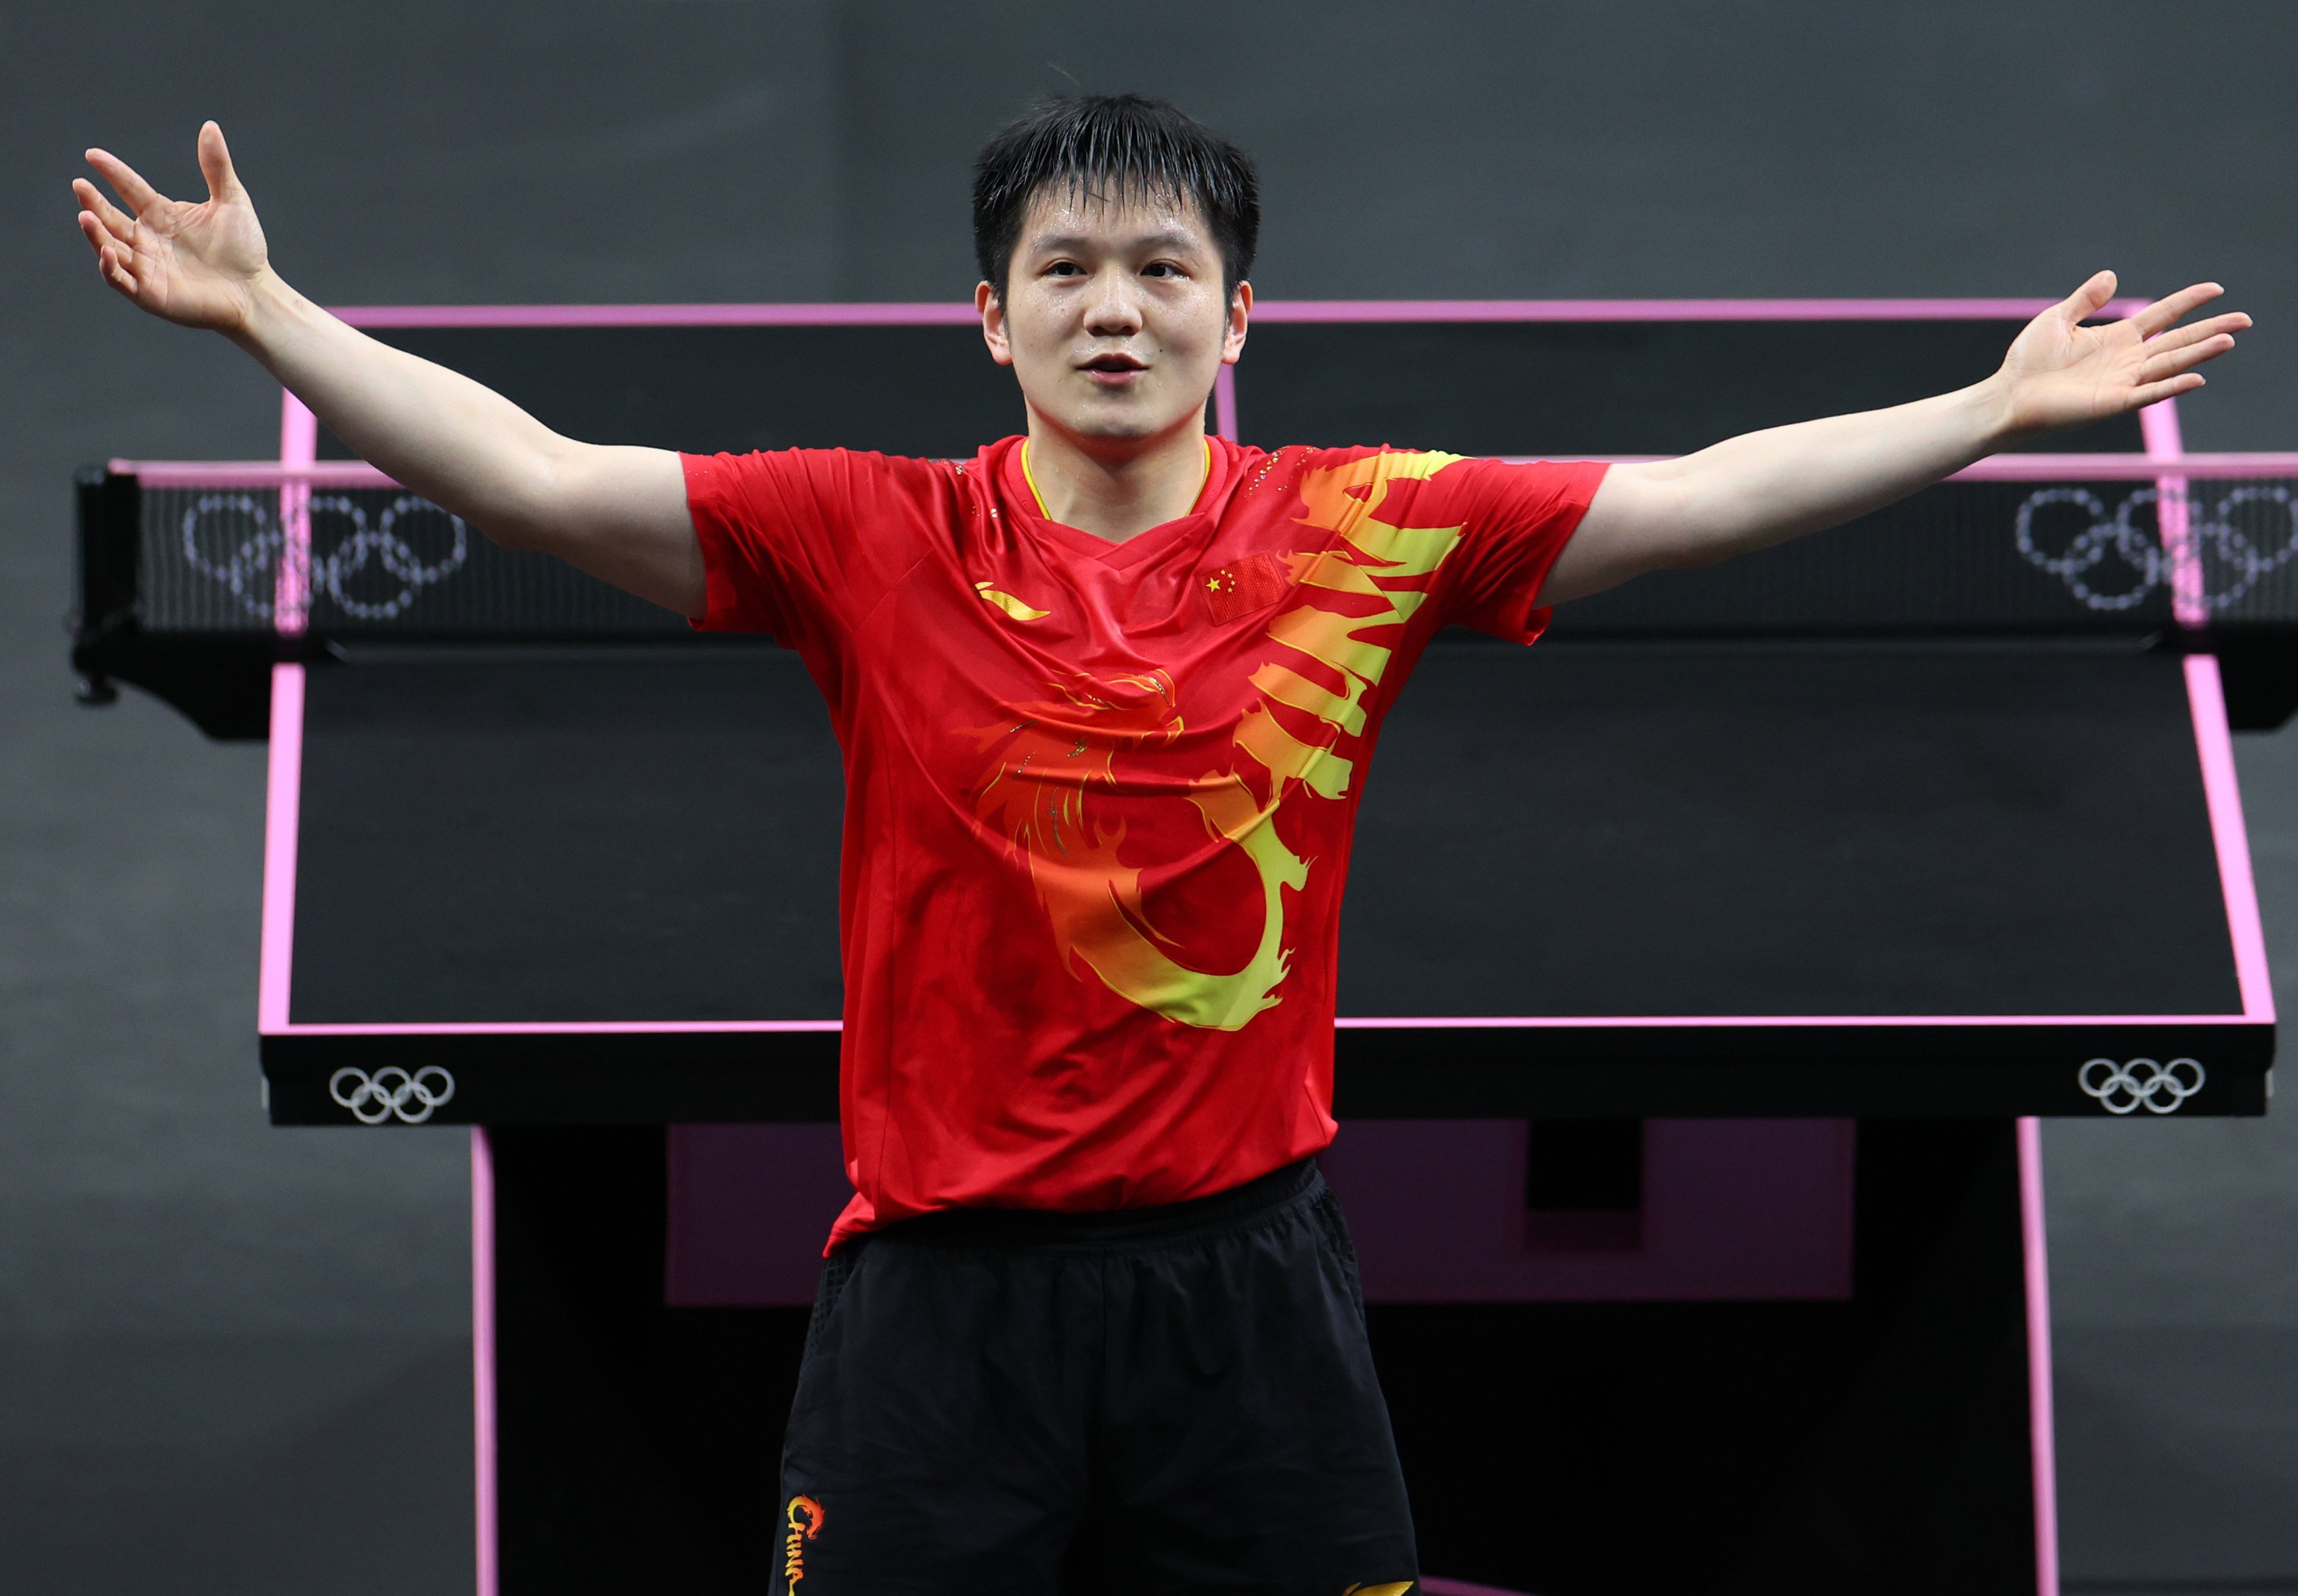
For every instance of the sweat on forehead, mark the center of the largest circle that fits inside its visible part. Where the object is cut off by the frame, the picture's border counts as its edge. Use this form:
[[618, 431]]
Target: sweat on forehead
[[1064, 208], [1116, 191]]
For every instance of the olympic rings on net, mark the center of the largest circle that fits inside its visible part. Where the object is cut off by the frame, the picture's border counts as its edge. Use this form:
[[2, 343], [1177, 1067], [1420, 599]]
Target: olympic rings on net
[[256, 555], [393, 553], [2233, 548], [2140, 550], [2231, 558], [250, 570], [375, 1098], [2123, 1089]]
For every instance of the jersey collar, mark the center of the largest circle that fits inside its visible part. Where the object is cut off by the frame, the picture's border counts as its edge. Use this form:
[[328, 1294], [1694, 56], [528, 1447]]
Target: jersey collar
[[1008, 468]]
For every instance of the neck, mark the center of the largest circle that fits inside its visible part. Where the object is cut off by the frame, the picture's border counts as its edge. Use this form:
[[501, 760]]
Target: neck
[[1117, 493]]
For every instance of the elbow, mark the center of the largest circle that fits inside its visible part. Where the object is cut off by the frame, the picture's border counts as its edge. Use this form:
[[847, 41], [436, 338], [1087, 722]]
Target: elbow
[[534, 505], [522, 513]]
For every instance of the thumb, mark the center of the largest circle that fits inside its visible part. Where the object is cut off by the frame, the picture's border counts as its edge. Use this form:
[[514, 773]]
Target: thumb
[[2086, 301], [215, 165]]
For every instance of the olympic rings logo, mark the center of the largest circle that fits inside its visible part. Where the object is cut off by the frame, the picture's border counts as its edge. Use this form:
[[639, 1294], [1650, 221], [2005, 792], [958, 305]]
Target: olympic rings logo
[[375, 1098], [2233, 558], [250, 570], [2123, 1089], [251, 559]]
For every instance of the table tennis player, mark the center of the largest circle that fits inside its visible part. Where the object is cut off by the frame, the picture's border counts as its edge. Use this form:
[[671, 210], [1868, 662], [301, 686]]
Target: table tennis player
[[1107, 694]]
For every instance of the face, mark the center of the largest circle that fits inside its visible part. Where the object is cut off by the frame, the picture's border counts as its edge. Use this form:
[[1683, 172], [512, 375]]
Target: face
[[1113, 318]]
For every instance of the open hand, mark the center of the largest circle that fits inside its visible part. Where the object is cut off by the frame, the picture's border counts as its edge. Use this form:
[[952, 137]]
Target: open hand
[[2060, 373], [196, 265]]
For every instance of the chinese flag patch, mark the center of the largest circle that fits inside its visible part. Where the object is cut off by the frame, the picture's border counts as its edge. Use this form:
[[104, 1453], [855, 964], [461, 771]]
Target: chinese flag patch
[[1254, 583]]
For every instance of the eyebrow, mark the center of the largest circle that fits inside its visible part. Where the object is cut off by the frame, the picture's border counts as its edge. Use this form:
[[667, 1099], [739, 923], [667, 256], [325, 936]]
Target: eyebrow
[[1072, 241]]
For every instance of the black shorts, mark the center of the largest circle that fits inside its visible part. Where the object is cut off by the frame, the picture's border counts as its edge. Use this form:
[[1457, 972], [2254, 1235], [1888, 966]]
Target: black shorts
[[1162, 1400]]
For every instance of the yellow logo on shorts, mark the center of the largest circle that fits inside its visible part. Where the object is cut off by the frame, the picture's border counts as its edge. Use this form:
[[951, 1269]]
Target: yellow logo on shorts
[[805, 1519], [1396, 1590]]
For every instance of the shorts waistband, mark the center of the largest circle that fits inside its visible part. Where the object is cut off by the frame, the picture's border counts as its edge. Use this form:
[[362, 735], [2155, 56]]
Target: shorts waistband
[[1051, 1230]]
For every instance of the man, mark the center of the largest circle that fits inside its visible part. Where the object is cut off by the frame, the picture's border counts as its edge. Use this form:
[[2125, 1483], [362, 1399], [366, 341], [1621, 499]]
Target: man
[[1107, 693]]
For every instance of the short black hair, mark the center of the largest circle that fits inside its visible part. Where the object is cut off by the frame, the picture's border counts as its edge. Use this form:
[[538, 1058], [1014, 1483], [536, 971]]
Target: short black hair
[[1115, 146]]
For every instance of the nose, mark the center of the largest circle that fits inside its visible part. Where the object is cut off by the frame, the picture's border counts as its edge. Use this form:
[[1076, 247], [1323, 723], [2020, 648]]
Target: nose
[[1114, 310]]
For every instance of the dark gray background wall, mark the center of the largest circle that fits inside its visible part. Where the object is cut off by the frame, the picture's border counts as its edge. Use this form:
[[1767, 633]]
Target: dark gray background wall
[[236, 1356]]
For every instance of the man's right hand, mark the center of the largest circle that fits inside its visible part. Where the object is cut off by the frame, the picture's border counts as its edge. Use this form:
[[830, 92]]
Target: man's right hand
[[196, 265], [618, 513]]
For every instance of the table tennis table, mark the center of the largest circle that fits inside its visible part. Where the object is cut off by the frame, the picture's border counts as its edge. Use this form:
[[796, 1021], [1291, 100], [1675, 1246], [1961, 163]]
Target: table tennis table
[[1930, 825]]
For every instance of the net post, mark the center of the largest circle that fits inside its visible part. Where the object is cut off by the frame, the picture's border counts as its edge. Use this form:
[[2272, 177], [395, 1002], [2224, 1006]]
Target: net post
[[2158, 426], [299, 445]]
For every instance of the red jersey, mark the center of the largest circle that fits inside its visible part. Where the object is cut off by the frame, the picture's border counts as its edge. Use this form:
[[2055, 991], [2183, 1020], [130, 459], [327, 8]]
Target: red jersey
[[1099, 795]]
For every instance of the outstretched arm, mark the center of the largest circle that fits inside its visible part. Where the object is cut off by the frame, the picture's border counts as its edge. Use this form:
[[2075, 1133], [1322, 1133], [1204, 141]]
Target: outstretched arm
[[618, 513], [1766, 487]]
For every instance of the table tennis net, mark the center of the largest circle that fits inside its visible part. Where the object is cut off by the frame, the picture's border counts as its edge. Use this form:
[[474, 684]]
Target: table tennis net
[[372, 562], [1965, 555], [1995, 556]]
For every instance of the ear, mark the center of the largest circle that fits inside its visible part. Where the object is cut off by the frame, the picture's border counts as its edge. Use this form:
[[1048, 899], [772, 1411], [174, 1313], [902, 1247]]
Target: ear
[[1240, 312], [993, 323]]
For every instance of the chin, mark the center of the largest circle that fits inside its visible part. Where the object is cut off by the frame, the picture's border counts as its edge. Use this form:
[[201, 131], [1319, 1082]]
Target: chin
[[1120, 423], [1115, 429]]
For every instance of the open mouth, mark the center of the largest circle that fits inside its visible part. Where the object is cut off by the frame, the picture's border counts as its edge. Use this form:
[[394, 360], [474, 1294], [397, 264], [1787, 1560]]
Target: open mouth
[[1114, 369]]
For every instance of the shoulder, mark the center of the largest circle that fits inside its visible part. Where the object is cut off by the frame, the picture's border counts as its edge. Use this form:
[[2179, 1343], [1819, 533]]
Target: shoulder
[[1378, 482], [853, 470], [1365, 463], [1446, 474], [826, 487], [1431, 488]]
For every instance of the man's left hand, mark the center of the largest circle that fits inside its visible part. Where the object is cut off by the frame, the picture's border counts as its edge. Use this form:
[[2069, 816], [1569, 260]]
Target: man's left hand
[[2060, 373]]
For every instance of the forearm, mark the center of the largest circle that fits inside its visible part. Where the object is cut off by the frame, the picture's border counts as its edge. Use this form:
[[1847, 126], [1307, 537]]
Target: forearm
[[1765, 487], [458, 443]]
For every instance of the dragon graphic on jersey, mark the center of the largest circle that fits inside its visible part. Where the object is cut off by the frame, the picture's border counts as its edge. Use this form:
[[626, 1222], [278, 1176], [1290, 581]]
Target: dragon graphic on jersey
[[1049, 757]]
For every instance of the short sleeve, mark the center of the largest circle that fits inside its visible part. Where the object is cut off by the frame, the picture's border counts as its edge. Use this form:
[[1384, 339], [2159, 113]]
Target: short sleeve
[[1517, 518], [797, 542]]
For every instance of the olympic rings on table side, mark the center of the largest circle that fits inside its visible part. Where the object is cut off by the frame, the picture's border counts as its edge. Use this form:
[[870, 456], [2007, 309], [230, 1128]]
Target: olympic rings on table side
[[2123, 1089], [377, 1097]]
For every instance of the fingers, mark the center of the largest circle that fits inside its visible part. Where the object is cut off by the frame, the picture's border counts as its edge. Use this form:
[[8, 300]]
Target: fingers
[[2155, 392], [2090, 298], [94, 206], [2233, 321], [2164, 312], [125, 181], [215, 164], [114, 263], [98, 237], [2173, 361]]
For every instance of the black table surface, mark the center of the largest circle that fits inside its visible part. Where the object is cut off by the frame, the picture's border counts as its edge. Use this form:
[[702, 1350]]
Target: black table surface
[[1742, 878]]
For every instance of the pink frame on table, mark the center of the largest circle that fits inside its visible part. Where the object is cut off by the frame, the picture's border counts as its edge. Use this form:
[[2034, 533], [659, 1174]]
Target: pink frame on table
[[298, 472]]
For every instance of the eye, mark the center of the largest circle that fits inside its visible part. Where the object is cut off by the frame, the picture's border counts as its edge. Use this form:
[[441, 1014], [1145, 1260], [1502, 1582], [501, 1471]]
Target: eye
[[1164, 269], [1065, 268]]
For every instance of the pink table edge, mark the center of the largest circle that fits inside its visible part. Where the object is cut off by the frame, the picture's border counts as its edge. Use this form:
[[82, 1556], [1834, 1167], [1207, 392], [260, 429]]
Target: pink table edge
[[1998, 468], [2042, 1423], [962, 313], [1534, 1022], [2159, 428], [2222, 791], [483, 1361]]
